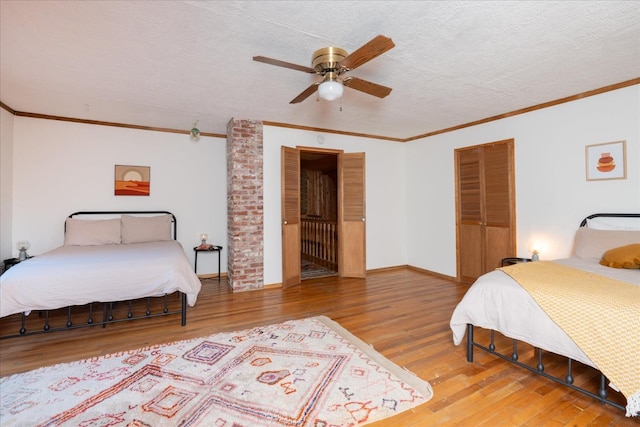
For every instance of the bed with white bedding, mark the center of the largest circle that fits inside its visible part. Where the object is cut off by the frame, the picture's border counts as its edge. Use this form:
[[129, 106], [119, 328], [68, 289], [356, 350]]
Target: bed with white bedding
[[103, 261], [497, 302]]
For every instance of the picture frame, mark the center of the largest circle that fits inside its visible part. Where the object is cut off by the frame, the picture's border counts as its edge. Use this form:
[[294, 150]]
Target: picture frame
[[132, 180], [606, 161]]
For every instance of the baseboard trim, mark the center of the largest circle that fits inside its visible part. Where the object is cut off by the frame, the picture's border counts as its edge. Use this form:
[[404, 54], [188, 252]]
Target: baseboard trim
[[433, 273], [212, 276], [379, 270]]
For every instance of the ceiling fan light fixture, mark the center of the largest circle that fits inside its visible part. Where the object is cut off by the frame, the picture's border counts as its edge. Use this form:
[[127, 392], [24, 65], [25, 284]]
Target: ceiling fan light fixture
[[330, 90], [331, 63]]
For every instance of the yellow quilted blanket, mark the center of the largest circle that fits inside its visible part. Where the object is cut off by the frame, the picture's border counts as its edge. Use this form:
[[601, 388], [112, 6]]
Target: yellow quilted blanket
[[601, 315]]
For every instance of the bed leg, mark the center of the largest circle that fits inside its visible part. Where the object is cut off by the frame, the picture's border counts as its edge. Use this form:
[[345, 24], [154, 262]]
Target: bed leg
[[104, 315], [602, 391], [184, 309], [540, 366], [23, 330], [469, 342], [569, 377]]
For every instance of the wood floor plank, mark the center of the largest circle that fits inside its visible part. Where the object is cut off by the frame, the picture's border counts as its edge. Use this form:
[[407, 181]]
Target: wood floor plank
[[403, 313]]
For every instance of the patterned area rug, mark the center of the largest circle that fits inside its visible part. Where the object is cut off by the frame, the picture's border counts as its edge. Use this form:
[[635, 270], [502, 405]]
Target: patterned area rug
[[309, 372]]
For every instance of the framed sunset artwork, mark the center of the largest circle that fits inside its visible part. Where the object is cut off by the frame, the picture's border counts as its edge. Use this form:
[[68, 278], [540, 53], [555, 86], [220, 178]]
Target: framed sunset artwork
[[132, 180], [606, 161]]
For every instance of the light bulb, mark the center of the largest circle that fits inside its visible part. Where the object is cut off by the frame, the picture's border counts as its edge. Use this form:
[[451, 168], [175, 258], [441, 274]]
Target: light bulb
[[203, 238], [330, 90]]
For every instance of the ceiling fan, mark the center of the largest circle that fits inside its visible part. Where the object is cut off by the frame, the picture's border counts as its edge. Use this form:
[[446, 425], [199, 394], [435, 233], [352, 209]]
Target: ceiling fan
[[331, 63]]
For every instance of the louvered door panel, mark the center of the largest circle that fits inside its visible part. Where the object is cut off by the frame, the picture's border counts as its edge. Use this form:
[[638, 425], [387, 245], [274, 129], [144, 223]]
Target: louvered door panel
[[469, 185], [352, 254], [499, 240], [469, 230], [290, 188], [353, 186], [496, 163], [290, 185]]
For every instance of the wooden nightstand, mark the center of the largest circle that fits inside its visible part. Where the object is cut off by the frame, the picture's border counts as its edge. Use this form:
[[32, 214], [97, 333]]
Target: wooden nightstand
[[511, 261]]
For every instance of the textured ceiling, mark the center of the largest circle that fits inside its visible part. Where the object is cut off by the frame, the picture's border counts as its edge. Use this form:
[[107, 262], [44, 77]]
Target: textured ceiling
[[169, 63]]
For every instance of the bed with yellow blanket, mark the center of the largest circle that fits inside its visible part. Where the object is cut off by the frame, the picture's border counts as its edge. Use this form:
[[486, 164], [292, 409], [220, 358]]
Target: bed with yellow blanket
[[578, 307]]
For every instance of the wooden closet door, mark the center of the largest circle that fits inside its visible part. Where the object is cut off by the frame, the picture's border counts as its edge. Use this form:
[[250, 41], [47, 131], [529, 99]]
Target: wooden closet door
[[485, 205], [499, 202], [470, 243]]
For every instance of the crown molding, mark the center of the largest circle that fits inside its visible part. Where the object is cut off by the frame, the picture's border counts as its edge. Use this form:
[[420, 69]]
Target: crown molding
[[593, 92], [598, 91]]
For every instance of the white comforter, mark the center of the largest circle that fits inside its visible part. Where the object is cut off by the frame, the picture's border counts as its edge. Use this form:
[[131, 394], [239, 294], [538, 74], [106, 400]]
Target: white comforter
[[495, 301], [77, 275]]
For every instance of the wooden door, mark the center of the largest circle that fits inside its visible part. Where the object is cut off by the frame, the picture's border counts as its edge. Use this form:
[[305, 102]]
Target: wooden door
[[290, 187], [485, 206], [499, 204], [351, 215], [469, 221]]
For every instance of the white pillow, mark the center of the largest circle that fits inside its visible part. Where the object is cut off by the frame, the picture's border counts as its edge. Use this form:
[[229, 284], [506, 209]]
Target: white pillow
[[593, 243], [82, 232], [144, 229], [614, 223]]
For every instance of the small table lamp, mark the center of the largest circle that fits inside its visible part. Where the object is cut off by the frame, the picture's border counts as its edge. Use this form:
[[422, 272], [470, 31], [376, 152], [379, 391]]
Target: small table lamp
[[22, 247], [535, 255]]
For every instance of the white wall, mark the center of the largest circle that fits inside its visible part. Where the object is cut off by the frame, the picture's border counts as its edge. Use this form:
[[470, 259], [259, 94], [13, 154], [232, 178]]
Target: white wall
[[6, 170], [552, 194], [385, 195], [62, 167]]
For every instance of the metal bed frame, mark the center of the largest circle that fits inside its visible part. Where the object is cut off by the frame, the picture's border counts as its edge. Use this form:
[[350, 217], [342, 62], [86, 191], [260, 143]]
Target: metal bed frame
[[108, 308], [601, 394]]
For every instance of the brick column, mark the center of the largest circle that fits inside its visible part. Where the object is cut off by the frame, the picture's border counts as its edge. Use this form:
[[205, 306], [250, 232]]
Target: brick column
[[245, 221]]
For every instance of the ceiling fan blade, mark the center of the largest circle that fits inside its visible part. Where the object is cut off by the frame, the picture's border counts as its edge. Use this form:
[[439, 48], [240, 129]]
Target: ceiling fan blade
[[366, 87], [284, 64], [305, 94], [376, 47]]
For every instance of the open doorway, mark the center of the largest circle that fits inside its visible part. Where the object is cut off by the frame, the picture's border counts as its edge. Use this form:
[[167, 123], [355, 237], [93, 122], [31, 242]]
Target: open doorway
[[318, 214], [350, 234]]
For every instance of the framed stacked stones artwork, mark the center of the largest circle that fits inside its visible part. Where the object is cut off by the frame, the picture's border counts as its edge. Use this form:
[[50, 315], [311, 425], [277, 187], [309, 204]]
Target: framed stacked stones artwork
[[606, 161], [132, 180]]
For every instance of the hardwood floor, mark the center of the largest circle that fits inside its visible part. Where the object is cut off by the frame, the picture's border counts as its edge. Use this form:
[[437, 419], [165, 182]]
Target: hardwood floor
[[403, 313]]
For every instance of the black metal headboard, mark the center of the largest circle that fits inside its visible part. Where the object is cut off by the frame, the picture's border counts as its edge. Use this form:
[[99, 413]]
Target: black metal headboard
[[615, 215], [174, 221]]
